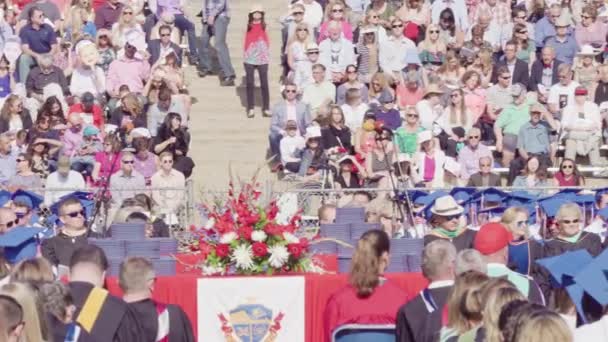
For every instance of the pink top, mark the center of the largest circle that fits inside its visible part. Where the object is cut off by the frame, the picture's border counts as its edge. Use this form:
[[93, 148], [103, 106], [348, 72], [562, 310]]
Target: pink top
[[347, 31], [147, 167], [132, 72], [407, 97], [109, 163], [429, 168], [595, 33], [476, 102]]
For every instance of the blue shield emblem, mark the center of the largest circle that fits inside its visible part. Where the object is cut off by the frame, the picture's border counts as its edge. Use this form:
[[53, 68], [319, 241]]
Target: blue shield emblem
[[251, 322]]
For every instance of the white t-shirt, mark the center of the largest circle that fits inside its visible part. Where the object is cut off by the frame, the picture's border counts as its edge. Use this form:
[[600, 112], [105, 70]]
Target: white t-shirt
[[313, 14], [353, 116], [562, 95], [83, 80], [288, 147]]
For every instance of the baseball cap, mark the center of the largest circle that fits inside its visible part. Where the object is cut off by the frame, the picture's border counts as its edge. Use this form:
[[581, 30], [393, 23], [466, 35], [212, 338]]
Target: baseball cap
[[90, 131], [87, 98], [491, 238]]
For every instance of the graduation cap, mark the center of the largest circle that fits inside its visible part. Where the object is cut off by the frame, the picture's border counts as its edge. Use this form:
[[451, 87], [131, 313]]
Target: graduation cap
[[430, 198], [30, 199], [603, 213], [564, 267], [5, 196], [593, 279], [493, 212], [85, 200], [414, 195], [20, 243], [489, 195], [461, 194], [520, 198], [551, 205]]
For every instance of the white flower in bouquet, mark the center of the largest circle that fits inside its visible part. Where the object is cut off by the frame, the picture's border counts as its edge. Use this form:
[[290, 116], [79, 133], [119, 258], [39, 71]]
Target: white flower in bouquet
[[258, 236], [278, 256], [228, 237], [212, 270], [290, 238], [243, 257], [210, 223]]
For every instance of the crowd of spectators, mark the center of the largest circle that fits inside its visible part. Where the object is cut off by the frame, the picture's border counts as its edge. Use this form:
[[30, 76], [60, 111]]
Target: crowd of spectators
[[94, 94], [442, 88]]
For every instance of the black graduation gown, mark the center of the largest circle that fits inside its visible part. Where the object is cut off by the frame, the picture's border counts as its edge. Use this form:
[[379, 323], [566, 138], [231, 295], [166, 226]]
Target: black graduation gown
[[180, 328], [588, 241], [415, 323], [462, 241], [59, 329], [58, 250], [115, 322]]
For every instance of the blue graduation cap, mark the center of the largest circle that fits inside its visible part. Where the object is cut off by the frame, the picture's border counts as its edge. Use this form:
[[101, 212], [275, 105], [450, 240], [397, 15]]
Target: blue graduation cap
[[564, 267], [593, 278], [30, 199], [584, 199], [489, 195], [461, 194], [5, 196], [600, 192], [493, 212], [84, 197], [520, 198], [431, 197], [414, 195], [552, 204], [20, 243]]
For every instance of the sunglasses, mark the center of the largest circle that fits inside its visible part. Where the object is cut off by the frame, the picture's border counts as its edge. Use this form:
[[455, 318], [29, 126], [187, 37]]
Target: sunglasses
[[20, 160], [337, 10], [302, 29], [567, 166], [351, 71], [570, 221], [128, 13], [412, 115], [76, 214], [397, 26], [293, 91], [167, 161], [434, 31], [10, 224], [313, 52], [298, 13], [128, 161], [505, 77], [474, 137], [453, 217], [165, 35], [485, 165]]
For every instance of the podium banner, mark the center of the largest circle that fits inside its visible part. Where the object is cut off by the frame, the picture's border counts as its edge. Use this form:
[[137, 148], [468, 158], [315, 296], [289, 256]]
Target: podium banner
[[251, 309]]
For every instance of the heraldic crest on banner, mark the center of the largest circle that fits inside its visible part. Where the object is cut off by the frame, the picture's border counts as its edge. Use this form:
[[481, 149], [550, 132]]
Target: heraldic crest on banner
[[251, 322]]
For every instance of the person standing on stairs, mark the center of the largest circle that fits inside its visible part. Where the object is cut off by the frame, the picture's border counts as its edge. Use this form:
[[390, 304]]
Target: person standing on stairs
[[256, 56], [216, 17]]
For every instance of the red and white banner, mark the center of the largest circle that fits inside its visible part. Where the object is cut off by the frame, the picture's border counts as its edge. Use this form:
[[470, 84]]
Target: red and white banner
[[251, 309]]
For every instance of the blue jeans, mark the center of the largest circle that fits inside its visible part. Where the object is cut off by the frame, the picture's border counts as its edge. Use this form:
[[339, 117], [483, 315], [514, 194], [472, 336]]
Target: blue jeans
[[219, 29], [306, 162], [26, 63], [186, 26], [275, 145]]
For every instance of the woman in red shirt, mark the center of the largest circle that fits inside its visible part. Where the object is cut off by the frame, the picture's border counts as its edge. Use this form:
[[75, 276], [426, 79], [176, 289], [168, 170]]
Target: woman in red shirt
[[568, 174], [369, 298]]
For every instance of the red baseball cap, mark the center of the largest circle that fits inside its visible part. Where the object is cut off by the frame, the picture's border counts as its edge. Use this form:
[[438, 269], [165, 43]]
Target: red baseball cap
[[491, 238]]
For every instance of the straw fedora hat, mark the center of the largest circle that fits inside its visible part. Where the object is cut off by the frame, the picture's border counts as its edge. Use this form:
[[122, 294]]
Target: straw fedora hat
[[432, 89], [446, 206]]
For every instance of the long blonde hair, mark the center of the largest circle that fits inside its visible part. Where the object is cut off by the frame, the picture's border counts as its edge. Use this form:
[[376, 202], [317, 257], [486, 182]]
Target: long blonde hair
[[329, 7], [464, 304], [367, 261], [427, 44], [294, 36], [545, 325], [497, 293], [122, 24], [28, 299], [510, 215]]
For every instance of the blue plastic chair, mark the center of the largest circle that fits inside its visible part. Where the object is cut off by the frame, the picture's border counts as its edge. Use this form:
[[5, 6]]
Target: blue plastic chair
[[364, 333]]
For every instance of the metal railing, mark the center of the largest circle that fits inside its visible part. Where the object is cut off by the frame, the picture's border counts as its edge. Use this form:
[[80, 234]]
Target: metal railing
[[184, 215]]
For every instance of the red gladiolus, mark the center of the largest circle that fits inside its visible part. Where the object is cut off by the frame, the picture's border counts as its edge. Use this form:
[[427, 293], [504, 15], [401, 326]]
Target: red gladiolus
[[273, 210], [245, 232], [295, 249], [304, 243], [222, 250], [259, 249]]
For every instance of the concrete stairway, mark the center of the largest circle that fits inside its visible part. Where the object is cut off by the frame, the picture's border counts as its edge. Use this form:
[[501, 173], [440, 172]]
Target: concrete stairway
[[221, 132]]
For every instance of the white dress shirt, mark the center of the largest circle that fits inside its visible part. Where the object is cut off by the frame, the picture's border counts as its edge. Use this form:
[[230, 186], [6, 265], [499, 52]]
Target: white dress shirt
[[392, 53]]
